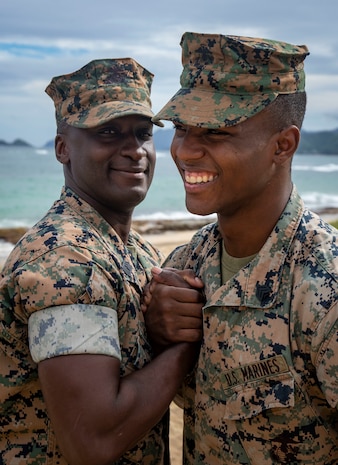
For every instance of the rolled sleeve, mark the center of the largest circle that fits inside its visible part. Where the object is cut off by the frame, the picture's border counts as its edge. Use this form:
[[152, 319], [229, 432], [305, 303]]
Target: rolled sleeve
[[73, 329]]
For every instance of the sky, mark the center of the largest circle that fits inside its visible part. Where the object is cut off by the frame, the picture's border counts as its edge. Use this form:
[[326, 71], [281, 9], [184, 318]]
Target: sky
[[40, 39]]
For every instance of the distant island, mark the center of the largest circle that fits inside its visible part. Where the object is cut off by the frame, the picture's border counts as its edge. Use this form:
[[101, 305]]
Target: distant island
[[16, 143], [323, 142], [312, 142]]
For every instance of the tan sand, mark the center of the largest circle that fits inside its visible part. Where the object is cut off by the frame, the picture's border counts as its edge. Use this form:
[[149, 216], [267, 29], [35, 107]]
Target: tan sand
[[168, 240], [176, 434]]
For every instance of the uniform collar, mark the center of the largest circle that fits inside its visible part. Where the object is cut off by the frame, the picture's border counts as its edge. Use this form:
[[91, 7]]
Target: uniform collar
[[119, 252], [257, 284]]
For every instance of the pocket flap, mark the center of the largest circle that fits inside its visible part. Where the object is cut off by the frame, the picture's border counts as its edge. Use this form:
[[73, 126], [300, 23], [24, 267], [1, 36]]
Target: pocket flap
[[248, 390]]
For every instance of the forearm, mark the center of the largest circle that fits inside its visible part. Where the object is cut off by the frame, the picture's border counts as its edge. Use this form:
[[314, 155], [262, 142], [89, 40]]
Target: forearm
[[104, 415], [145, 395]]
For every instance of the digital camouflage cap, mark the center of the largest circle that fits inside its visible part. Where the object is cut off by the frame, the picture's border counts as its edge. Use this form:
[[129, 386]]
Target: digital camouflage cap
[[101, 91], [227, 79]]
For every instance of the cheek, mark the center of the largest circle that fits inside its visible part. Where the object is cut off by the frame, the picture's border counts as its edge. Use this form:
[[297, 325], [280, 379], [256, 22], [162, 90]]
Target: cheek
[[173, 152], [175, 143], [151, 171]]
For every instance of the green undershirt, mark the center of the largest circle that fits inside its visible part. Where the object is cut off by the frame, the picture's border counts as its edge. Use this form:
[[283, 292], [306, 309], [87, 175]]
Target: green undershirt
[[231, 265]]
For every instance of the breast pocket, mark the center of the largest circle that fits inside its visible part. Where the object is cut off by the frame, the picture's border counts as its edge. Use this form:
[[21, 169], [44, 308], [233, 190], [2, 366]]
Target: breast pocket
[[268, 411], [273, 392], [246, 391]]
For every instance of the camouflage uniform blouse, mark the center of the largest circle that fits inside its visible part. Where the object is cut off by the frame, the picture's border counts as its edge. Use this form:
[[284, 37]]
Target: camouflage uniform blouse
[[266, 384], [72, 276]]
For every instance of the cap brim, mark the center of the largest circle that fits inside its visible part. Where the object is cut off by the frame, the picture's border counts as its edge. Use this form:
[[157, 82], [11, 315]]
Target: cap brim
[[100, 114], [212, 109]]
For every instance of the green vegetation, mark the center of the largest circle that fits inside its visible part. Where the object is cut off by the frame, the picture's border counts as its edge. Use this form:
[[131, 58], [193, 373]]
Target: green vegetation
[[322, 142], [334, 224]]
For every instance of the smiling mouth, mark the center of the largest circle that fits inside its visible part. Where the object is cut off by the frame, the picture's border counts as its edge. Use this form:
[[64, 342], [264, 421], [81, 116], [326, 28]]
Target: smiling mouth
[[198, 178], [131, 171]]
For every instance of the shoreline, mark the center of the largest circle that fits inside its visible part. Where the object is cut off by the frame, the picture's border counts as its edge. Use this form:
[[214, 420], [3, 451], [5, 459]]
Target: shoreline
[[144, 227], [164, 234], [153, 227]]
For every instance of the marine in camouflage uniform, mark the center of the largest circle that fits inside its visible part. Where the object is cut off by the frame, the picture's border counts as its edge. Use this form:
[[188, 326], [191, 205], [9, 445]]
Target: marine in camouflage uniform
[[71, 267], [265, 389], [72, 285], [266, 383]]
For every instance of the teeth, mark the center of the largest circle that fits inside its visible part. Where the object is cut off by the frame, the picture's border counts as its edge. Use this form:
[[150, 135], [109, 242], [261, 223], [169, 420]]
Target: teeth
[[194, 178]]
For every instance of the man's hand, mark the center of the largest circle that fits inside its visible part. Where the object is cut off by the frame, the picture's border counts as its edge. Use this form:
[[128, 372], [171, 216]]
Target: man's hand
[[172, 305]]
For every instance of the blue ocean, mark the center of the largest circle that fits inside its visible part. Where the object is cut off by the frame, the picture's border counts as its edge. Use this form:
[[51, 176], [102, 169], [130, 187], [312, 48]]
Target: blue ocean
[[31, 179]]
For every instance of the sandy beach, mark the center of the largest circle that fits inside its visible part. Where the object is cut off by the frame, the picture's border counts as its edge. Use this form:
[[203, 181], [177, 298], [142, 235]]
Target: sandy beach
[[168, 240]]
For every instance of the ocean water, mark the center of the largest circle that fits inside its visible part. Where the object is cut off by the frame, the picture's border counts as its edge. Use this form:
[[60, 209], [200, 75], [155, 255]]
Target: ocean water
[[31, 179]]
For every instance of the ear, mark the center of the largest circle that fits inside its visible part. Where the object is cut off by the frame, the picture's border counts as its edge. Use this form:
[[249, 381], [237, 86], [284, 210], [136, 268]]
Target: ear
[[286, 144], [61, 149]]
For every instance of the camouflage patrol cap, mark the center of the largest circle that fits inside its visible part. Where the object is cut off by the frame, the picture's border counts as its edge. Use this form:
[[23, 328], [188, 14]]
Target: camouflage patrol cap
[[227, 79], [101, 91]]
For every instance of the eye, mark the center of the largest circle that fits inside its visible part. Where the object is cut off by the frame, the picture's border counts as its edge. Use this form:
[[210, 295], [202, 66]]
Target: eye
[[108, 131], [145, 133], [217, 132]]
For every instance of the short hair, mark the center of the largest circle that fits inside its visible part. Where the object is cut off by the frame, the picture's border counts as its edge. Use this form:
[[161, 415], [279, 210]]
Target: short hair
[[61, 127], [287, 110]]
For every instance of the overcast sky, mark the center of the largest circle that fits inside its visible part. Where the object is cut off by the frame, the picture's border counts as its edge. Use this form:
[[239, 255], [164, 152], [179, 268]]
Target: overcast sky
[[40, 39]]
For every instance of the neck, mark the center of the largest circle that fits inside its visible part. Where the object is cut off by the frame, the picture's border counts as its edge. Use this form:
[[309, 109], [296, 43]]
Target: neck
[[245, 231], [122, 230]]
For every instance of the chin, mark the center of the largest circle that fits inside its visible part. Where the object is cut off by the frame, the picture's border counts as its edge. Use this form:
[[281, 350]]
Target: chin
[[139, 197], [199, 210]]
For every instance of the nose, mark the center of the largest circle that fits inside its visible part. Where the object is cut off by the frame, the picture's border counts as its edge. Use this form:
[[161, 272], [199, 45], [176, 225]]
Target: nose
[[186, 146], [133, 147]]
